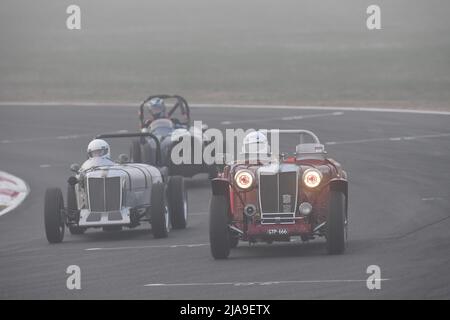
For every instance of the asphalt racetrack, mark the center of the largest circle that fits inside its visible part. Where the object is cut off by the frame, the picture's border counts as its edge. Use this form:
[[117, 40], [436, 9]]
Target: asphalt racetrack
[[398, 167]]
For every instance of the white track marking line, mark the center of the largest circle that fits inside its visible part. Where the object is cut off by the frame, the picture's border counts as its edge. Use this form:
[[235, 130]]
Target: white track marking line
[[407, 138], [37, 139], [228, 106], [324, 108], [289, 118], [194, 245], [257, 283], [432, 199], [15, 184], [317, 115], [62, 137]]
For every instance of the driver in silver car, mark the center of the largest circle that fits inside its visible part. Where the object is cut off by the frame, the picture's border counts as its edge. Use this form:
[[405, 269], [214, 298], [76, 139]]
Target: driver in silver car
[[98, 152]]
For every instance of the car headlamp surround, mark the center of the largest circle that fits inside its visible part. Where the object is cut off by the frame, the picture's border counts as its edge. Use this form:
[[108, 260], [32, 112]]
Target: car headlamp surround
[[244, 179], [312, 178]]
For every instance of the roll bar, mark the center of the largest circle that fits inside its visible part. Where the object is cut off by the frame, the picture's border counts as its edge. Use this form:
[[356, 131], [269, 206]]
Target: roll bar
[[181, 102], [134, 135], [295, 131]]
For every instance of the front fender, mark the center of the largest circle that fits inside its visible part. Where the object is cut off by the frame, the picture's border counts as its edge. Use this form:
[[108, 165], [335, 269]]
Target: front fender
[[340, 185]]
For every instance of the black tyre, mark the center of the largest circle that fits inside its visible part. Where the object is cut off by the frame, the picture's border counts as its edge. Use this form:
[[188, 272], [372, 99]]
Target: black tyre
[[336, 224], [112, 228], [72, 206], [219, 235], [159, 214], [178, 202], [53, 215], [135, 151]]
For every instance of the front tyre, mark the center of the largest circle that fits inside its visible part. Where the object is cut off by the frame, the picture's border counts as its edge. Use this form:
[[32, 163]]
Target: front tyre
[[178, 202], [159, 214], [219, 235], [53, 215], [336, 225]]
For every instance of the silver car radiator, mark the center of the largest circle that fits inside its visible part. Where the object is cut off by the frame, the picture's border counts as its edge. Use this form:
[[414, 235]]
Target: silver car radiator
[[104, 194]]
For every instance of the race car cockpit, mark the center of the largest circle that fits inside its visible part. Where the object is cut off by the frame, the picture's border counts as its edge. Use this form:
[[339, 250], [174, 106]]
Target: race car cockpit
[[164, 107], [161, 127]]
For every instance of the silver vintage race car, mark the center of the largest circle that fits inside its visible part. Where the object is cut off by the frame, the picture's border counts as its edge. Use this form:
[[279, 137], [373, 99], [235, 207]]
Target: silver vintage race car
[[112, 195]]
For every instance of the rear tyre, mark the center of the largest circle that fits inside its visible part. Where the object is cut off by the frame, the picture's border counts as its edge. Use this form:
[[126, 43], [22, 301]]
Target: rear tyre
[[219, 235], [72, 206], [178, 202], [336, 226], [159, 212], [135, 151], [53, 215]]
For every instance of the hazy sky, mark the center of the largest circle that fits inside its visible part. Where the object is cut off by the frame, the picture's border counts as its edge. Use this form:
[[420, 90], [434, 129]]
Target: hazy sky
[[226, 51]]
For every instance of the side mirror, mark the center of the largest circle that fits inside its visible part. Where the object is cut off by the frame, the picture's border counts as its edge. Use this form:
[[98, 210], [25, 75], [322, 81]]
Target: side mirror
[[75, 167], [123, 158]]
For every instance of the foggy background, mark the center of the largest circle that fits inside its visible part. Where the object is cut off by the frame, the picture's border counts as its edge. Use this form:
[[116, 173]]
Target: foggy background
[[246, 51]]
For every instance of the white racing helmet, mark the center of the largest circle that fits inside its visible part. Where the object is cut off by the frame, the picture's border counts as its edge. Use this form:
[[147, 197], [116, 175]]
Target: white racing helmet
[[255, 143], [98, 148]]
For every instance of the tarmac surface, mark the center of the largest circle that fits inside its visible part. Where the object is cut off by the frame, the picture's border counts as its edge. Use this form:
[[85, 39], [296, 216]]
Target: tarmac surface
[[399, 209]]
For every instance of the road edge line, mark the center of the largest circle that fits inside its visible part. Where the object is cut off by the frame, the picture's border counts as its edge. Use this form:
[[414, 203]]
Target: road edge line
[[234, 106]]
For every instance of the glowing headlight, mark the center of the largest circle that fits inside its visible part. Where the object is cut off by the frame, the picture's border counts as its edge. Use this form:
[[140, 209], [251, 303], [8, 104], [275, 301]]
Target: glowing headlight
[[312, 178], [243, 179]]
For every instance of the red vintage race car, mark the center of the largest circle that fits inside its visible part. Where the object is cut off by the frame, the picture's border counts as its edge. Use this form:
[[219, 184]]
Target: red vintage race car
[[303, 194]]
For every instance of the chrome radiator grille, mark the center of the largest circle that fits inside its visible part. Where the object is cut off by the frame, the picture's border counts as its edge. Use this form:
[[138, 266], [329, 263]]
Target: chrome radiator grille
[[104, 194], [278, 197]]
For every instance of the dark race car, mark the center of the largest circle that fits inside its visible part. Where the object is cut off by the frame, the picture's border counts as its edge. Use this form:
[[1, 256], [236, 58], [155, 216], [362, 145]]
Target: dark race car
[[302, 194], [168, 118]]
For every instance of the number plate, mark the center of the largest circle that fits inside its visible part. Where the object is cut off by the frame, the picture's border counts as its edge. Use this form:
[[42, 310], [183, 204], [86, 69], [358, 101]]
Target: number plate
[[273, 232]]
